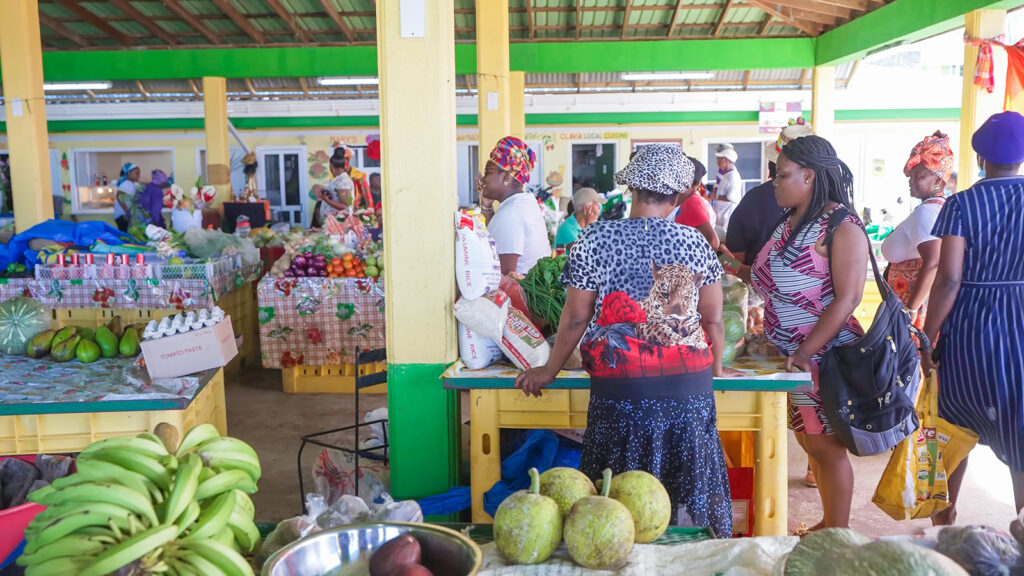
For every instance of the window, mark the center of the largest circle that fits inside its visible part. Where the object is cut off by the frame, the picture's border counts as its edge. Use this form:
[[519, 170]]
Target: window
[[94, 174], [749, 164]]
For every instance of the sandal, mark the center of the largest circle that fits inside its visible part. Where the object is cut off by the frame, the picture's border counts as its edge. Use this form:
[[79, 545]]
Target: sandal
[[809, 479]]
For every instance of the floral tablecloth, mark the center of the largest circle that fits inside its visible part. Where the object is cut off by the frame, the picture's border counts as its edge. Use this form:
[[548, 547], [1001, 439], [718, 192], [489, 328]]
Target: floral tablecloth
[[318, 321], [121, 293], [27, 381]]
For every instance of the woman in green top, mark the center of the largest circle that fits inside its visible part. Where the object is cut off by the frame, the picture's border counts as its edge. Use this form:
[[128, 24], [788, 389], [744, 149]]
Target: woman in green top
[[586, 204]]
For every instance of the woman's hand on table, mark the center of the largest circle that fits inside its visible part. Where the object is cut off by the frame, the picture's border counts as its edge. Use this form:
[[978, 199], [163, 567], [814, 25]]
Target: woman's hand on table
[[531, 381], [798, 362], [727, 372]]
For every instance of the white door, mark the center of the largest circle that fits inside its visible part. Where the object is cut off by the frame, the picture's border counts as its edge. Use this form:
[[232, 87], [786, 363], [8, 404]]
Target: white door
[[282, 180]]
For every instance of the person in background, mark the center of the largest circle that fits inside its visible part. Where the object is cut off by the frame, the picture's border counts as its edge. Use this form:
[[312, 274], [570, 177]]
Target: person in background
[[810, 300], [586, 209], [977, 303], [375, 191], [127, 187], [951, 185], [693, 209], [758, 212], [645, 297], [152, 199], [337, 195], [911, 250], [518, 229], [728, 184]]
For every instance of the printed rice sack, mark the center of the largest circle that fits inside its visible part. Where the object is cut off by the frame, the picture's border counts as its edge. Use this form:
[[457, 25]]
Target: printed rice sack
[[522, 342], [476, 351], [486, 316], [477, 268]]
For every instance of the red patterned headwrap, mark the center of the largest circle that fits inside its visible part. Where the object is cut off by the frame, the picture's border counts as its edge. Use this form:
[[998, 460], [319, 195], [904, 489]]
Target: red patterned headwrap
[[936, 155], [513, 155]]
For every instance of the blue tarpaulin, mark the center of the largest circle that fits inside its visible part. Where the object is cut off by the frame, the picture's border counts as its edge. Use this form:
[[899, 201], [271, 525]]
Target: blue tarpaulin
[[83, 234]]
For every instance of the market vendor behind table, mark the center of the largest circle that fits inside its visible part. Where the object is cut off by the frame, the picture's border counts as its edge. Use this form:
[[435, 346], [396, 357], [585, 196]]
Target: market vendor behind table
[[520, 236], [645, 296]]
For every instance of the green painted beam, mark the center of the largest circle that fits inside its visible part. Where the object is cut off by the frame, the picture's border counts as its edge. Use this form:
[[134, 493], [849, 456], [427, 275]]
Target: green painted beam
[[469, 120], [898, 22], [532, 57]]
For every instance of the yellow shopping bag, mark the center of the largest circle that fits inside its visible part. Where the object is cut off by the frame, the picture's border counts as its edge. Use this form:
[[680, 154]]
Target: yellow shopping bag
[[914, 482]]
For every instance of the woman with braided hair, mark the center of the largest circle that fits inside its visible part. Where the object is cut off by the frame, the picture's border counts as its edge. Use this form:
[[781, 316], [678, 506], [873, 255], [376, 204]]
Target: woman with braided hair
[[810, 298]]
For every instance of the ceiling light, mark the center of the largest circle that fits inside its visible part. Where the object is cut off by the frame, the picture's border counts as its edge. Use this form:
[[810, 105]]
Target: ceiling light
[[348, 81], [655, 76], [56, 86]]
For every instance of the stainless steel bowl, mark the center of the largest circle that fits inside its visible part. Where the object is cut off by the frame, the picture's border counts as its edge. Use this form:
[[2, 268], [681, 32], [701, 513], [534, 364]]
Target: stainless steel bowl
[[346, 551]]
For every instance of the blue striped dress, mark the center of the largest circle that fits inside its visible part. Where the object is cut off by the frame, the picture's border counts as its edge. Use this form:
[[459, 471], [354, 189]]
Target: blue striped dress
[[981, 344]]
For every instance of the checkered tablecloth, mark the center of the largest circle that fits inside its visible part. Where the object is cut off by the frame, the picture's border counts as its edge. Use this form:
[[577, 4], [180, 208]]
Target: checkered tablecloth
[[318, 321], [126, 293]]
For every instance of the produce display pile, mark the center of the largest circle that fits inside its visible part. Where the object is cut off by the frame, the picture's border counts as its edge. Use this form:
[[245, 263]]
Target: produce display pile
[[25, 330], [319, 255], [149, 505]]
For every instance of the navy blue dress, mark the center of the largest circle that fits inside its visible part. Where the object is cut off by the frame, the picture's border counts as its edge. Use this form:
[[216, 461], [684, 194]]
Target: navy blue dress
[[981, 344]]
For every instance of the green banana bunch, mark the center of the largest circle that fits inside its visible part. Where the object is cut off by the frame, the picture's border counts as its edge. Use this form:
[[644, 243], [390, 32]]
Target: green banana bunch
[[135, 505]]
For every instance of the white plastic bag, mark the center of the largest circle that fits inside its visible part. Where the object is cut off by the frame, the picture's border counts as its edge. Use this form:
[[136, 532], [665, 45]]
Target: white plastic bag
[[477, 268], [486, 316], [524, 345], [378, 431], [475, 350], [292, 529]]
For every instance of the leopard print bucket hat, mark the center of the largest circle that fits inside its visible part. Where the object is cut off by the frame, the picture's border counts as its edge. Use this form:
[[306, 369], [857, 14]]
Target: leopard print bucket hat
[[658, 168]]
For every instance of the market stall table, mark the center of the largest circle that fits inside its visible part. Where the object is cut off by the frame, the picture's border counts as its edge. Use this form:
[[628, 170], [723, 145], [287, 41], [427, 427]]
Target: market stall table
[[755, 403], [51, 407]]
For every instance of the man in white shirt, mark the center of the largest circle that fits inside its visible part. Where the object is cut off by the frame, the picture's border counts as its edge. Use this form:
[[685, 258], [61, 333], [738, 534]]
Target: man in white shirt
[[520, 236], [728, 185]]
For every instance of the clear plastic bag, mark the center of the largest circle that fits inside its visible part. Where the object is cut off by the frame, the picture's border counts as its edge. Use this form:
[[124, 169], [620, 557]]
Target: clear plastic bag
[[293, 529]]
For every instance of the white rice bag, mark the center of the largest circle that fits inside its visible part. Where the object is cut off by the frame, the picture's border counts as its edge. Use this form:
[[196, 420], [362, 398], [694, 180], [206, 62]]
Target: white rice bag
[[476, 351], [522, 342], [486, 316], [477, 268]]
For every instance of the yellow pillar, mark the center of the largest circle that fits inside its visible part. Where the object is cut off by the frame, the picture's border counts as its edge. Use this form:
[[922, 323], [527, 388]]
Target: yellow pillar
[[823, 106], [21, 57], [492, 74], [218, 148], [416, 66], [517, 104], [977, 104]]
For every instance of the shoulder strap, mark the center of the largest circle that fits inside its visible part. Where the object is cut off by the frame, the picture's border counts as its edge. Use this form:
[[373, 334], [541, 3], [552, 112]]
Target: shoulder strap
[[835, 219]]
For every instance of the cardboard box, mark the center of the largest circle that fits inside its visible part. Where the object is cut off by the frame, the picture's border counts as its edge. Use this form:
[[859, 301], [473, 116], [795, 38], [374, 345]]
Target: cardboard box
[[191, 352]]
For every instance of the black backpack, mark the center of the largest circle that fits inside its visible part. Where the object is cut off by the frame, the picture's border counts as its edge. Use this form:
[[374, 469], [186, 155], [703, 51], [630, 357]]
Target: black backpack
[[868, 387]]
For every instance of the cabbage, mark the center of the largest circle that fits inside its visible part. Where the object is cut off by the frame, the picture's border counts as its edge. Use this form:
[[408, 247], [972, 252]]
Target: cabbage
[[735, 328]]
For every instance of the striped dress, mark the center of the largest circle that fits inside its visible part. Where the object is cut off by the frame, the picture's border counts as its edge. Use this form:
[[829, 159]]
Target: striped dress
[[797, 287], [981, 344]]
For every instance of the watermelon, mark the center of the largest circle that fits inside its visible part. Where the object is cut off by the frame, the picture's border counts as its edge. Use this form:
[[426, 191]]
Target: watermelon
[[21, 319], [884, 558], [735, 327]]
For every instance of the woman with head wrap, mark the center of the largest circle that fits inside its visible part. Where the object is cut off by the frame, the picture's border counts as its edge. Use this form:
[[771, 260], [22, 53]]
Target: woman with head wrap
[[339, 194], [911, 250], [152, 199], [645, 296], [810, 296], [976, 306], [127, 187], [520, 235]]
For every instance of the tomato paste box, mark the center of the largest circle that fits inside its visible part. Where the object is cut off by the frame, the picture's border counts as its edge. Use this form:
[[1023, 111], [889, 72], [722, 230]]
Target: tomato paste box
[[190, 352]]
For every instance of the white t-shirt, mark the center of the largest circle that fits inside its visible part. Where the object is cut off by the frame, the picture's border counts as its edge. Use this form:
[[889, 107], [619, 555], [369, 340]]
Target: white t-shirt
[[341, 185], [518, 228], [901, 245], [128, 189], [730, 185]]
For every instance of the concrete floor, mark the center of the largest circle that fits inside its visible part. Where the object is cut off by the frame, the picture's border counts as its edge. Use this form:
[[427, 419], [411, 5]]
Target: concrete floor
[[273, 422]]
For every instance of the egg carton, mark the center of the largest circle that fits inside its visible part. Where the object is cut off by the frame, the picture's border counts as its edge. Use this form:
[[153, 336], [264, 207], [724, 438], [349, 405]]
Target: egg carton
[[182, 323]]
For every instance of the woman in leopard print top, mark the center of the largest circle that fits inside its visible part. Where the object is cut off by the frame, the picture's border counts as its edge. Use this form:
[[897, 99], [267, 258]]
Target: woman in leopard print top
[[645, 298]]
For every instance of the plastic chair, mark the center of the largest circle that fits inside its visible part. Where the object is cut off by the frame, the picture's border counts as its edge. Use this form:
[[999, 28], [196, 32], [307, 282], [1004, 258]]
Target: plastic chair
[[364, 379]]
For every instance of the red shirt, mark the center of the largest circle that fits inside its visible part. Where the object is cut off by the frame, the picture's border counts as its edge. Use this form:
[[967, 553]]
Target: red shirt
[[693, 212]]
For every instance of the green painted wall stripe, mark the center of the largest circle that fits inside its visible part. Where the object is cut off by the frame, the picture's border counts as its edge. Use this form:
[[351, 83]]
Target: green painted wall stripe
[[897, 22], [532, 57], [424, 431], [469, 120]]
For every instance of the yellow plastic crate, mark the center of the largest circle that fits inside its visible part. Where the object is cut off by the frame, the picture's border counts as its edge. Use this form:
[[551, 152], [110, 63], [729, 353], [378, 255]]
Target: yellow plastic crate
[[64, 433], [329, 379]]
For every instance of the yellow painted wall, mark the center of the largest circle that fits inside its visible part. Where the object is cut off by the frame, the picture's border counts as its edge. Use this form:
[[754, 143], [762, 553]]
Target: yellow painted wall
[[875, 151]]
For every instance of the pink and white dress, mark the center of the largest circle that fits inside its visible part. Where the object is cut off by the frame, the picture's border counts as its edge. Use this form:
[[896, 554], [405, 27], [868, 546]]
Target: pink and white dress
[[797, 287]]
